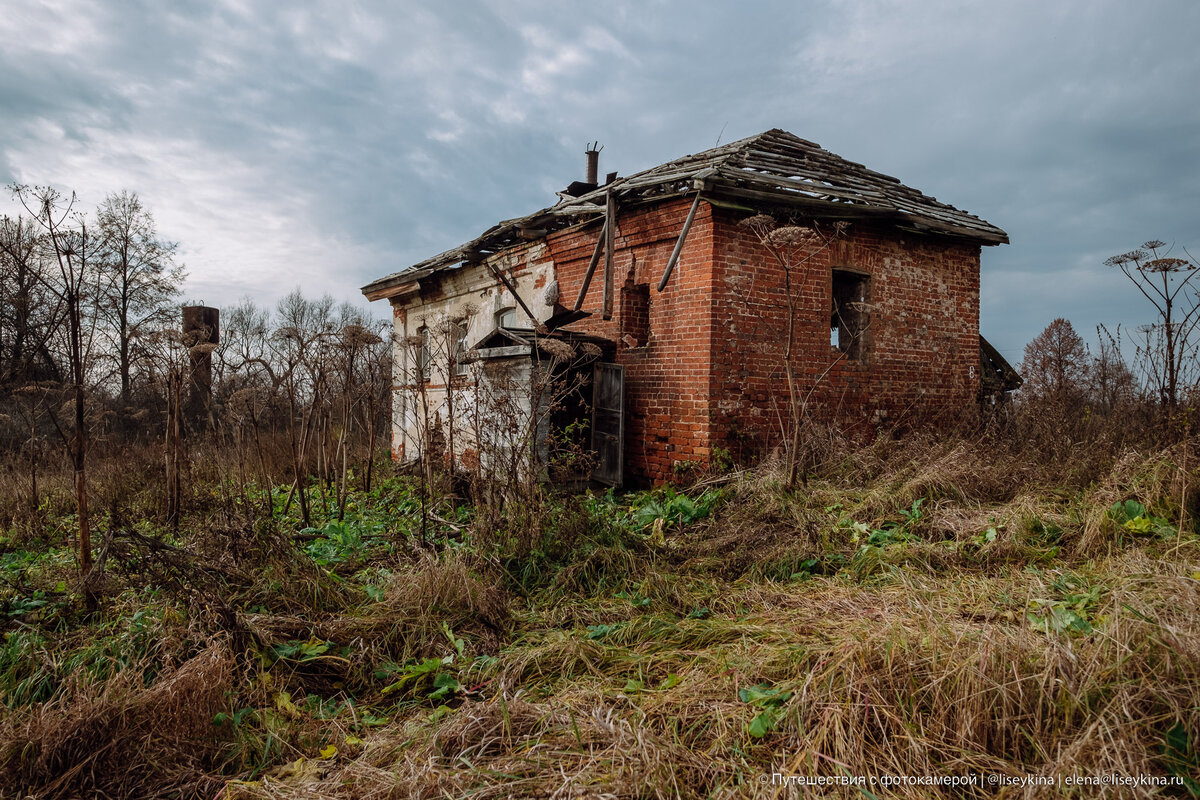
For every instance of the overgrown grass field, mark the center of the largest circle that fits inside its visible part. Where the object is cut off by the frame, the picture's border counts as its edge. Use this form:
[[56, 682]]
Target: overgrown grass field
[[918, 608]]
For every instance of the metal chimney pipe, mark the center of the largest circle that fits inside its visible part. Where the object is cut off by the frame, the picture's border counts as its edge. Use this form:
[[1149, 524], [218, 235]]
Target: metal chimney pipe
[[593, 163]]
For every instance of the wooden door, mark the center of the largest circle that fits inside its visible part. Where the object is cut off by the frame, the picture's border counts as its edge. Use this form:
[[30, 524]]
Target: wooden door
[[608, 423]]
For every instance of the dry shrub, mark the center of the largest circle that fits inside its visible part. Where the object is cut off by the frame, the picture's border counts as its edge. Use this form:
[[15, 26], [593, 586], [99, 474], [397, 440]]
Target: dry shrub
[[120, 739], [759, 526], [1165, 482], [897, 472], [249, 557], [442, 589], [599, 567], [420, 599], [917, 677]]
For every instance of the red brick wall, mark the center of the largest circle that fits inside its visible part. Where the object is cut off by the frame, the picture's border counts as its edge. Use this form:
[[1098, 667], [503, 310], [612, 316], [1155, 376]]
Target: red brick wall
[[707, 367], [921, 345], [667, 387]]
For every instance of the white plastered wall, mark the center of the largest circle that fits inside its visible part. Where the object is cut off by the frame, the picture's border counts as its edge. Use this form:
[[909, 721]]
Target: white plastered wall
[[471, 294]]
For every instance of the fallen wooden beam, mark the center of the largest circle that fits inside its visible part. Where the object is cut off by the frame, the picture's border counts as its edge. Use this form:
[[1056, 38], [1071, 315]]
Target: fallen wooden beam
[[513, 290], [610, 240], [687, 226], [591, 270]]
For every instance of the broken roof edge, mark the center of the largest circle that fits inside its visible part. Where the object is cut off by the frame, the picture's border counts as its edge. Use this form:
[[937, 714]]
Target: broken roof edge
[[996, 374], [775, 167]]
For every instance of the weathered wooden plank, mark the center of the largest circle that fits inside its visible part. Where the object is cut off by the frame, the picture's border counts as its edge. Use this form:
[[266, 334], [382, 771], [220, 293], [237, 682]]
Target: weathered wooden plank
[[790, 184], [577, 208], [591, 270], [812, 205], [513, 290], [656, 177], [610, 243], [687, 226], [502, 352]]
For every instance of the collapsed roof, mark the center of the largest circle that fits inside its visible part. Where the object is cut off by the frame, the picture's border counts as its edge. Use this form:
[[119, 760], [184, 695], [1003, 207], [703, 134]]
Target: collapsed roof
[[773, 169]]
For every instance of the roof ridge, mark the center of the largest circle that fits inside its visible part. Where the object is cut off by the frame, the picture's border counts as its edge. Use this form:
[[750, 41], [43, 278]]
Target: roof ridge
[[774, 167]]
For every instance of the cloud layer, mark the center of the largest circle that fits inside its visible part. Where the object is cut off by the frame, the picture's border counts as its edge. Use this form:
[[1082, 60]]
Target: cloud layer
[[325, 147]]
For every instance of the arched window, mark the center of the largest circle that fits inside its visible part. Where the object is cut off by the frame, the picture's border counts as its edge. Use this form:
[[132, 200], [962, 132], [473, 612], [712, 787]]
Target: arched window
[[458, 336], [506, 318], [425, 354]]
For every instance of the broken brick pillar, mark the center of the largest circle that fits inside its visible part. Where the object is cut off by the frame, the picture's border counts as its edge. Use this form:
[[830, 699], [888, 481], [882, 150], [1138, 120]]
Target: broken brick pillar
[[201, 333]]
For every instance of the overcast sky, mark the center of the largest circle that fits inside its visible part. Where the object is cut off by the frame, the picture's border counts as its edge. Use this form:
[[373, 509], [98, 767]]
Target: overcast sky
[[326, 147]]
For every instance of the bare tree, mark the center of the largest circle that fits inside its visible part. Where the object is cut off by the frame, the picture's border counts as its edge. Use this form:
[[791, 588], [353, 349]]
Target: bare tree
[[140, 278], [374, 386], [31, 312], [1111, 383], [793, 246], [68, 238], [1169, 349], [1056, 365]]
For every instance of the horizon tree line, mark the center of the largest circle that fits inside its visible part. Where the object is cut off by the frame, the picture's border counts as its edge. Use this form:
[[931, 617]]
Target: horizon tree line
[[92, 352]]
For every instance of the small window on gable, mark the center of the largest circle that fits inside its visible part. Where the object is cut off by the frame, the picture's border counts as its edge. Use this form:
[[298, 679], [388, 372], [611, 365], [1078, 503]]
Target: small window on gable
[[506, 318], [458, 340], [425, 354], [848, 319]]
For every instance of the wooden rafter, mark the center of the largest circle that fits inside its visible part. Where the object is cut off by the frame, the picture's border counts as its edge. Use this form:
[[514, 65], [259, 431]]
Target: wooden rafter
[[591, 270], [610, 244], [687, 226]]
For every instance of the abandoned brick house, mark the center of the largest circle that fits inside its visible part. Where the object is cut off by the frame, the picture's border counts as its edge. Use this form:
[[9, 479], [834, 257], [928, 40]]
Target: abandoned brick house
[[688, 307]]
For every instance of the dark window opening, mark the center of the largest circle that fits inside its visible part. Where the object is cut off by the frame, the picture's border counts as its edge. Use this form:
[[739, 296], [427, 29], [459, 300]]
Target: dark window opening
[[635, 314], [458, 342], [425, 354], [848, 318]]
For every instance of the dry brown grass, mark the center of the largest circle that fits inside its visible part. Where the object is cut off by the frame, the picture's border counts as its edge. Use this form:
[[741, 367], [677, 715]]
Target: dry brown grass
[[620, 677], [120, 739], [926, 660], [909, 678]]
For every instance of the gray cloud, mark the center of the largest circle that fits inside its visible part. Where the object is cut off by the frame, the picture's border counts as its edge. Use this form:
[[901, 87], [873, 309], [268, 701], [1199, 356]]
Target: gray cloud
[[325, 146]]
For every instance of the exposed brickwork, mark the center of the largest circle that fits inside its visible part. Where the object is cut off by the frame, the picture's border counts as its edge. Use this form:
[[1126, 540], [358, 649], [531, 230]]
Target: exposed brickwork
[[920, 347], [667, 392], [635, 312], [706, 365]]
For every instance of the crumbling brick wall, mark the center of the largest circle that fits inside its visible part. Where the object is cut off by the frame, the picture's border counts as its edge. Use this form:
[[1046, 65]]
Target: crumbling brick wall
[[663, 338], [703, 359], [919, 351]]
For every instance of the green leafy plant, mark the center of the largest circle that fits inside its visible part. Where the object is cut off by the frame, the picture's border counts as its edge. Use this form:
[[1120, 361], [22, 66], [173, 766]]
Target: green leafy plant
[[600, 632], [990, 533], [341, 541], [683, 467], [673, 508], [302, 651], [888, 532], [670, 682], [431, 678], [19, 606], [806, 569], [1135, 518], [635, 599], [426, 679], [1071, 611], [1181, 758], [721, 460], [769, 700]]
